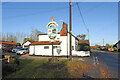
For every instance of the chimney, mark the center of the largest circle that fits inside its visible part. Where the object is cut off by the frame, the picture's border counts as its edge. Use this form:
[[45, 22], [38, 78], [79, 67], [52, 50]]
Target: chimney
[[63, 31]]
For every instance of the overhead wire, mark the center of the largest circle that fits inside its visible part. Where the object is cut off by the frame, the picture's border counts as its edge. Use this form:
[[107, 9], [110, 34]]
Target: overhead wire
[[81, 16], [39, 12]]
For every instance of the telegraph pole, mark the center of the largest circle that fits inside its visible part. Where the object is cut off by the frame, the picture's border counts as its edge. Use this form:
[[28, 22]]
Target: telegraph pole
[[88, 34], [103, 41], [70, 33]]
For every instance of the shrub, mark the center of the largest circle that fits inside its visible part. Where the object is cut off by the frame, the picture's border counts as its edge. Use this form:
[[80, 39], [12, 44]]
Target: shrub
[[115, 49]]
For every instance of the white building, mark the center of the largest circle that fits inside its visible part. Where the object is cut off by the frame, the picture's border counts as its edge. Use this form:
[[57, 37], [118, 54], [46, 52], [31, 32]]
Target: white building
[[26, 44], [43, 46]]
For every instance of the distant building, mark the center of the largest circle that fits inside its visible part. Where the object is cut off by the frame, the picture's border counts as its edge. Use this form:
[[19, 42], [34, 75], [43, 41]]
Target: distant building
[[7, 46], [93, 47], [26, 44], [118, 45]]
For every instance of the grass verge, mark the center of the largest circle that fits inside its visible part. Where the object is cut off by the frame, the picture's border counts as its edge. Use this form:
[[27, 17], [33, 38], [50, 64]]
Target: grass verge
[[41, 68]]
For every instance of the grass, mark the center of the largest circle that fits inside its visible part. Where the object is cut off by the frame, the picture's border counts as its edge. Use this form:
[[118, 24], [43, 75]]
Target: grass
[[40, 68]]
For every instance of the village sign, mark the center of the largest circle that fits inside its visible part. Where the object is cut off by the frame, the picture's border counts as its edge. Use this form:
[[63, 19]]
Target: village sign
[[52, 31]]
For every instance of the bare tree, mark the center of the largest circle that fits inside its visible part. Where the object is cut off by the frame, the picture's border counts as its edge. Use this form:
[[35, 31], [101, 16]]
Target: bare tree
[[34, 34], [81, 37]]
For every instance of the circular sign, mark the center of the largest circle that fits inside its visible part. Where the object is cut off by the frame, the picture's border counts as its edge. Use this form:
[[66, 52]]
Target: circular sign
[[52, 31]]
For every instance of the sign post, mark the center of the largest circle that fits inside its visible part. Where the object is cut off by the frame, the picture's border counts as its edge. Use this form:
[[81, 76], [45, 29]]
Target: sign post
[[52, 32]]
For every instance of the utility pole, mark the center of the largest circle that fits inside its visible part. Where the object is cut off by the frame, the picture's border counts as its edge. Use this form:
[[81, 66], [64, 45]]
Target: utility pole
[[88, 34], [70, 33], [103, 41]]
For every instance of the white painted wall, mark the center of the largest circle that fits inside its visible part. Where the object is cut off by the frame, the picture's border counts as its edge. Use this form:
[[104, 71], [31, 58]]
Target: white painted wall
[[46, 37], [27, 43], [63, 45], [43, 38], [118, 46], [73, 44], [31, 49], [39, 49]]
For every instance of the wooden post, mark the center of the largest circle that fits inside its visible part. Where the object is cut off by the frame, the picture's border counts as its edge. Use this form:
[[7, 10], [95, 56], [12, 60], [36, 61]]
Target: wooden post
[[52, 50], [70, 34]]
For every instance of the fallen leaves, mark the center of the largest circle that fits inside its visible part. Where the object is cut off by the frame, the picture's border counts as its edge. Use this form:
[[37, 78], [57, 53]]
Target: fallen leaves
[[76, 69]]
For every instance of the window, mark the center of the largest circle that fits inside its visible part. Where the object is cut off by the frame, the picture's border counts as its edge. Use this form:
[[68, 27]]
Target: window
[[72, 47], [46, 47]]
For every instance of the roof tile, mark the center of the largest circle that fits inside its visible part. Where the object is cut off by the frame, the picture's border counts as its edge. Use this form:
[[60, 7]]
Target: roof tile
[[45, 43]]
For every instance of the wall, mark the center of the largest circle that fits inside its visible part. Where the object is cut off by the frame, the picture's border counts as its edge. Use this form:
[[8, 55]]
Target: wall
[[73, 44], [63, 45], [118, 46], [39, 49], [27, 43], [46, 37]]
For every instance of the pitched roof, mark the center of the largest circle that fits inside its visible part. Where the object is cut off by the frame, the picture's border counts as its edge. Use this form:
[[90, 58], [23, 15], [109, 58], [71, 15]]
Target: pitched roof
[[93, 46], [83, 41], [6, 42], [45, 43], [118, 42]]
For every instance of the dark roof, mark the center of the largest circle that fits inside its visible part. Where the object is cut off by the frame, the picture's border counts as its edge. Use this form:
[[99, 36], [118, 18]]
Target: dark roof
[[118, 42], [45, 43], [83, 41], [75, 37], [6, 42]]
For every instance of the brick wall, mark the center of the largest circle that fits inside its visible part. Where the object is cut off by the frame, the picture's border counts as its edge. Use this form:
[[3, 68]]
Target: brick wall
[[63, 31]]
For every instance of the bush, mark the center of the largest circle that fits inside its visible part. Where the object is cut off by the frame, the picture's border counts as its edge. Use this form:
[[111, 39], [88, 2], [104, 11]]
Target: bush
[[115, 49], [8, 68], [83, 47]]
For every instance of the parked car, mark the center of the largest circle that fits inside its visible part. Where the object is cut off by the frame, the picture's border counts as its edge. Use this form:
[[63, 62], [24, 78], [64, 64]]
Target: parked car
[[16, 49], [23, 51]]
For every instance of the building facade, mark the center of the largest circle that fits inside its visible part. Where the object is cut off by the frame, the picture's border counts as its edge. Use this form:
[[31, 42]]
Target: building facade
[[26, 44], [7, 46], [43, 46]]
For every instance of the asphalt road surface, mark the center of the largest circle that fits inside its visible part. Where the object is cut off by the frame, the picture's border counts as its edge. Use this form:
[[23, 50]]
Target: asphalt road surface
[[110, 59]]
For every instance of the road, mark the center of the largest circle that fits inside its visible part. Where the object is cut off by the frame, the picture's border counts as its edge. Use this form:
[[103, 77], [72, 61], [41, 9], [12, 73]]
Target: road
[[110, 59]]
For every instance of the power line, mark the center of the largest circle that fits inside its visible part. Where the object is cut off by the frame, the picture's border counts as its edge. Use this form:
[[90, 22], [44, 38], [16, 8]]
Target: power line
[[83, 19], [39, 12], [81, 16]]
